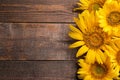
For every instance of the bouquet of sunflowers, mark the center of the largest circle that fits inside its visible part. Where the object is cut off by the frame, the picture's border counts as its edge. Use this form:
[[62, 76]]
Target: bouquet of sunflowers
[[97, 35]]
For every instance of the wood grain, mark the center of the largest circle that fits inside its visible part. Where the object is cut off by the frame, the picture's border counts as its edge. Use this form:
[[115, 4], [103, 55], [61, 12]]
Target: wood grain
[[37, 10], [35, 41], [37, 70]]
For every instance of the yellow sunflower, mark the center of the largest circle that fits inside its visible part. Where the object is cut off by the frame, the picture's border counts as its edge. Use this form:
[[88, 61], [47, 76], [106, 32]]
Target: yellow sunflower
[[90, 5], [115, 53], [91, 38], [97, 71], [109, 16]]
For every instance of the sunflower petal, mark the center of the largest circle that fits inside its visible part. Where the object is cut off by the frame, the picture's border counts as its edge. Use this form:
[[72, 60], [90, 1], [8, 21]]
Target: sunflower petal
[[81, 62], [82, 51], [75, 35], [98, 58], [90, 57], [102, 55], [74, 29], [109, 48], [88, 77], [117, 43], [77, 44], [80, 24]]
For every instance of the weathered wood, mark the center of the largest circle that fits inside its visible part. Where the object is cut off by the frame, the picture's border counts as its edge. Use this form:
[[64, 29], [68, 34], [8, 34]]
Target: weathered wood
[[37, 10], [37, 70], [39, 37], [35, 41]]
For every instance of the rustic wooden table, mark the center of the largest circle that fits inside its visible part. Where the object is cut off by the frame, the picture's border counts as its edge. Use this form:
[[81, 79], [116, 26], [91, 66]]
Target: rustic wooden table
[[34, 40]]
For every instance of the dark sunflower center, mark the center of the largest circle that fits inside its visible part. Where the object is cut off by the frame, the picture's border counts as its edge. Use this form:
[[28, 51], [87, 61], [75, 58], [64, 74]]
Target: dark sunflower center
[[98, 70], [114, 18], [118, 57], [94, 6], [94, 40]]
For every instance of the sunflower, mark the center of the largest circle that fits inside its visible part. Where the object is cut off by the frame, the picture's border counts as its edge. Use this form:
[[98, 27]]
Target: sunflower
[[109, 16], [97, 71], [115, 53], [91, 38], [90, 5]]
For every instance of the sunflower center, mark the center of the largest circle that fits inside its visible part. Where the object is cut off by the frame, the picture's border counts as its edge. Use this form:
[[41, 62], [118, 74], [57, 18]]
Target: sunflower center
[[118, 57], [98, 70], [114, 18], [94, 40], [94, 6]]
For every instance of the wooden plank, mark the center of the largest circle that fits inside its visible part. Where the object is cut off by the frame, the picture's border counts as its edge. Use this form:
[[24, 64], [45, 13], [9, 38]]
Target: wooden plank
[[36, 5], [37, 70], [37, 10], [35, 41]]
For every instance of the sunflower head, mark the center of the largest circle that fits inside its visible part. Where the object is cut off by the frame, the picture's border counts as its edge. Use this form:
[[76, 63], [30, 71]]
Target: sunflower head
[[93, 36], [91, 5], [109, 16], [90, 37], [97, 71]]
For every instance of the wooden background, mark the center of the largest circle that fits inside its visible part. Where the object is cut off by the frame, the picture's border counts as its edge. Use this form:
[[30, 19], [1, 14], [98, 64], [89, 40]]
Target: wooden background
[[34, 40]]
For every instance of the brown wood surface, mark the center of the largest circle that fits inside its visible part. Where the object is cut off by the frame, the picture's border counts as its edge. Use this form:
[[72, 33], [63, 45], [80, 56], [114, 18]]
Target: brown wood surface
[[37, 70], [34, 40], [37, 10]]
